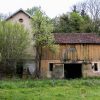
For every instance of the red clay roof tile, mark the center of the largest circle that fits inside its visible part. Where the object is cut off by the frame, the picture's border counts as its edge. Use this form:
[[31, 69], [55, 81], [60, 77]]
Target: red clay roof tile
[[72, 38]]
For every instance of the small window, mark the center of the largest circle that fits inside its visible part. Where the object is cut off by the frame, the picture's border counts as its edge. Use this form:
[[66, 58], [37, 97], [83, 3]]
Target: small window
[[50, 66], [95, 67], [21, 20]]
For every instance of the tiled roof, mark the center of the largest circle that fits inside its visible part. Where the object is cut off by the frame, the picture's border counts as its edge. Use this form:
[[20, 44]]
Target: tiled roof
[[20, 10], [72, 38]]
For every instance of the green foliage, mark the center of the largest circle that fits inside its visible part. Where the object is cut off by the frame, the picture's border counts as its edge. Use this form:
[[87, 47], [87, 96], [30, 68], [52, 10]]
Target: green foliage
[[62, 24], [75, 22], [42, 28], [32, 10], [13, 41], [88, 25]]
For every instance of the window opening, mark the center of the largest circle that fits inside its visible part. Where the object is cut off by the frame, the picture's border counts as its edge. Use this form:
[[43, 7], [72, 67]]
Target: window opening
[[50, 66]]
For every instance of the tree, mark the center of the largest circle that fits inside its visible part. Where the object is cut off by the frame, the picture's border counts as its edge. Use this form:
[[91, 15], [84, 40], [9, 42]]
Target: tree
[[42, 28], [56, 24], [74, 8], [62, 24], [82, 8], [76, 22], [32, 10], [92, 9], [67, 23], [13, 42]]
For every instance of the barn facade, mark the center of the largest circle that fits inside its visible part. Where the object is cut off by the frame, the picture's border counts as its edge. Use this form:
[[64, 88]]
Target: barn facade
[[77, 55]]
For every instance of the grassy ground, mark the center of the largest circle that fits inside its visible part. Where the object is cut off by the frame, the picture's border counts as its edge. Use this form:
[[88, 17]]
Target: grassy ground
[[78, 89]]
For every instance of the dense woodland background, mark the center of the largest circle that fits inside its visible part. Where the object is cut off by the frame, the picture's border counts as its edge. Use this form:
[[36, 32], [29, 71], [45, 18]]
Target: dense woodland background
[[83, 17]]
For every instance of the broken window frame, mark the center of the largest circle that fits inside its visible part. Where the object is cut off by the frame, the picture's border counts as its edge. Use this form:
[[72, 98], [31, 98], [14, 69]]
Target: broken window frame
[[96, 67]]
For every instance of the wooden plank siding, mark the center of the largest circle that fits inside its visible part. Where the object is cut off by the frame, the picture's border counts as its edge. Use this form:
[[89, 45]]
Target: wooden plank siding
[[89, 52]]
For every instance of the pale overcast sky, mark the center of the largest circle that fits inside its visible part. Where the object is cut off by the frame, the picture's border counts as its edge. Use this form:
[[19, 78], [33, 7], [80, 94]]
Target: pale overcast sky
[[51, 7]]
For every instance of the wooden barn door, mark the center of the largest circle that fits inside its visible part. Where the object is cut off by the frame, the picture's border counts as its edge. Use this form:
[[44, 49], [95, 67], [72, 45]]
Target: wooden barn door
[[58, 71]]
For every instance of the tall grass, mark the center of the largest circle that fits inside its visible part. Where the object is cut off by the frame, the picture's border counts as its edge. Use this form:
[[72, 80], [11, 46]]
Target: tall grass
[[13, 84], [77, 89]]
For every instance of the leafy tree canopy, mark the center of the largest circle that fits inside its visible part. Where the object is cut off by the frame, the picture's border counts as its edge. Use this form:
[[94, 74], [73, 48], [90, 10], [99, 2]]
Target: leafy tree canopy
[[13, 41], [42, 28]]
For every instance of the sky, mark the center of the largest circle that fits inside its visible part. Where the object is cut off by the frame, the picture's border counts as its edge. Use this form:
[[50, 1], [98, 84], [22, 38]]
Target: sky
[[51, 7]]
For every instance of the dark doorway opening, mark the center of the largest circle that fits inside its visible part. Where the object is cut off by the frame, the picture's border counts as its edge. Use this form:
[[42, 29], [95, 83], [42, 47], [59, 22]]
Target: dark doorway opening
[[19, 69], [72, 71]]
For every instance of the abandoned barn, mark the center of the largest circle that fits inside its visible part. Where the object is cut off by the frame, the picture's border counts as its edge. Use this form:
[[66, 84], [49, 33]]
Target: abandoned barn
[[78, 55]]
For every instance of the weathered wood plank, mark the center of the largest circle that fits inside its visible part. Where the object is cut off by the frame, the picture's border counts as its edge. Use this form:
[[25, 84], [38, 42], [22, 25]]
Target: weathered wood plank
[[88, 52]]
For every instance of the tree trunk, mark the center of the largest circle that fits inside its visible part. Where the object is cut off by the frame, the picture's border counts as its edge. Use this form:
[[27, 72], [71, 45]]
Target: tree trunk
[[38, 61]]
